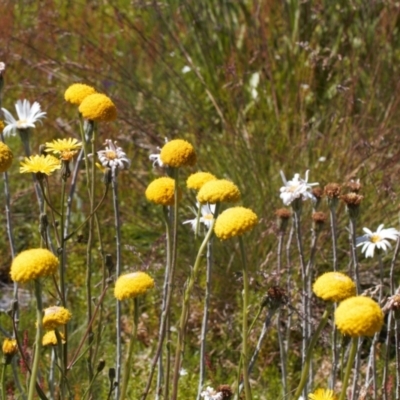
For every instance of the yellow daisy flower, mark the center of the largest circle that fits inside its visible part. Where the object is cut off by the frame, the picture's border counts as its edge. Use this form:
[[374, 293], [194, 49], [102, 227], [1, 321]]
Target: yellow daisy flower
[[66, 148], [334, 286], [235, 221], [10, 347], [132, 285], [2, 126], [50, 338], [358, 316], [40, 164], [161, 191], [77, 92], [322, 394], [6, 157], [218, 191], [33, 264], [98, 107], [198, 179], [55, 316]]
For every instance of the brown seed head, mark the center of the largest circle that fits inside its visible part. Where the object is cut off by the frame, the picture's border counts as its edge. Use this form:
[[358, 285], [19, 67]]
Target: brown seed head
[[332, 190], [352, 199], [318, 193], [283, 213], [319, 217], [226, 391], [354, 185]]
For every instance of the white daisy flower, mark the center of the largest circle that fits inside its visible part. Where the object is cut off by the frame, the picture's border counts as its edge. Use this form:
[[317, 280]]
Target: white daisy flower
[[27, 116], [211, 394], [378, 239], [2, 68], [296, 188], [113, 157], [207, 216], [156, 159]]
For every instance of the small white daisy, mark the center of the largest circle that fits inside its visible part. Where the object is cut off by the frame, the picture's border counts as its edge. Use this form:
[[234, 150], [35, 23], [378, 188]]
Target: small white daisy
[[296, 188], [211, 394], [27, 116], [2, 68], [113, 157], [207, 216], [378, 239], [156, 159]]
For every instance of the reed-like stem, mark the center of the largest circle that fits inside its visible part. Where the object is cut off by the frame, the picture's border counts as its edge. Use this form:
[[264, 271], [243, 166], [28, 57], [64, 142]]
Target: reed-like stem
[[117, 223], [204, 326], [185, 307], [350, 361], [38, 341], [128, 361], [355, 273], [3, 382], [308, 359]]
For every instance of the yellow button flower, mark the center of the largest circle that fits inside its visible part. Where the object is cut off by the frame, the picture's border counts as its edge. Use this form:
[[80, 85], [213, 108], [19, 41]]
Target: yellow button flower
[[359, 316], [6, 157], [77, 92], [161, 191], [10, 347], [98, 107], [33, 264], [178, 153], [218, 191], [334, 286], [322, 394], [50, 338], [198, 179], [55, 316], [132, 285], [235, 221]]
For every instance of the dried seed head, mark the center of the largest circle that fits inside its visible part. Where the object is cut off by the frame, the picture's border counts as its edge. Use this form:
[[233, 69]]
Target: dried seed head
[[226, 391], [319, 217], [393, 304], [332, 190], [283, 215], [274, 298], [354, 185], [352, 199]]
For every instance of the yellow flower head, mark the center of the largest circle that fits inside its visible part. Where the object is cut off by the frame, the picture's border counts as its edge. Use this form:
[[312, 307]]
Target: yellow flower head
[[218, 191], [2, 126], [65, 148], [98, 107], [10, 347], [50, 338], [198, 179], [334, 286], [77, 92], [358, 316], [235, 221], [33, 264], [161, 191], [6, 157], [40, 164], [178, 153], [132, 285], [55, 316], [322, 394]]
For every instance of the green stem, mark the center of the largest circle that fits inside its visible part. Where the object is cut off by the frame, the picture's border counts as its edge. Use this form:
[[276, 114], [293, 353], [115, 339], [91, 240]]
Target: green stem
[[39, 331], [185, 306], [352, 356], [3, 382], [245, 349], [128, 361], [306, 366]]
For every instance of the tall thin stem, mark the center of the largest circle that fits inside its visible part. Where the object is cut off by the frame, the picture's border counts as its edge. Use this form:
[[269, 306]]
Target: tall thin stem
[[355, 272], [38, 341], [117, 223], [245, 348], [128, 361], [350, 361], [204, 326]]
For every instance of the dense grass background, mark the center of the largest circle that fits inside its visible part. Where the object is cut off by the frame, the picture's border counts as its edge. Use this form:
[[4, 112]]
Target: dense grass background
[[256, 86]]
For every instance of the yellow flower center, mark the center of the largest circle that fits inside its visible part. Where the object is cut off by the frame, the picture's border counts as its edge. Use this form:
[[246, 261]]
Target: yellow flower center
[[21, 122], [208, 217], [293, 188], [375, 238], [111, 155]]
